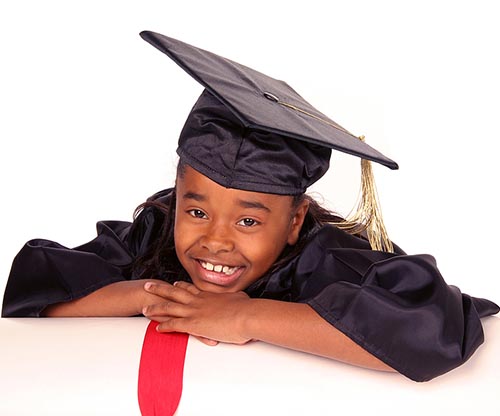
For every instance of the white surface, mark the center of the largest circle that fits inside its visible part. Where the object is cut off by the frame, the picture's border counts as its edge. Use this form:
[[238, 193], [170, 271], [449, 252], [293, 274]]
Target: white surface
[[259, 379], [90, 366], [70, 366]]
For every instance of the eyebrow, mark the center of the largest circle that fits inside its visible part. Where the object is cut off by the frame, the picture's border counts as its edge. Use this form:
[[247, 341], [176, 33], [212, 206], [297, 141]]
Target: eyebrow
[[195, 196], [241, 202], [253, 204]]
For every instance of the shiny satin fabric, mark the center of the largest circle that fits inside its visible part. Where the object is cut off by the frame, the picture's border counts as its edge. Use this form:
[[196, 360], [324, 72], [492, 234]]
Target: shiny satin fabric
[[396, 306], [215, 143], [262, 104]]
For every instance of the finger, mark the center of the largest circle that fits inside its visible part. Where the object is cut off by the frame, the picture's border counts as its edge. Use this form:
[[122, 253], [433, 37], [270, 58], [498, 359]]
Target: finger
[[170, 324], [207, 341], [176, 325], [167, 308], [168, 291], [188, 286]]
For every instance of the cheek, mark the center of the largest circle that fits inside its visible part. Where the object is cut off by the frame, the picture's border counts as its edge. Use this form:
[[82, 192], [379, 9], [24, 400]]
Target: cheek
[[265, 250], [182, 237]]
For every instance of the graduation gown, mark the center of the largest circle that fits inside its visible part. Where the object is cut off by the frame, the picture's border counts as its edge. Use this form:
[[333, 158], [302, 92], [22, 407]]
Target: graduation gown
[[396, 306]]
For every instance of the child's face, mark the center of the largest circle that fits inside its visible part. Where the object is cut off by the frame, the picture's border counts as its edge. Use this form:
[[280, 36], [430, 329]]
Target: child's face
[[226, 238]]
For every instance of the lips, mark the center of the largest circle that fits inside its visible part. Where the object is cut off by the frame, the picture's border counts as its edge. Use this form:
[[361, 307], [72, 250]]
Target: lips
[[227, 270], [219, 274]]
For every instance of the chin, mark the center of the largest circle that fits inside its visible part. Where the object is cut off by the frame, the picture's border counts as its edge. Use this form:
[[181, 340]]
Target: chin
[[214, 288]]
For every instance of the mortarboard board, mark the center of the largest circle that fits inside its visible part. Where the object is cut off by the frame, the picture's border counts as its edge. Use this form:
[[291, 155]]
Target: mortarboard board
[[252, 132]]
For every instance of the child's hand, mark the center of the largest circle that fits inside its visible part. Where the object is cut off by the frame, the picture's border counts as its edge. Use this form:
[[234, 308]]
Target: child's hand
[[211, 317]]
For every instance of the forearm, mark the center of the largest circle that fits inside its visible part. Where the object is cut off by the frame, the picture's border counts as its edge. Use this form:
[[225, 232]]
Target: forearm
[[299, 327], [125, 298], [235, 318]]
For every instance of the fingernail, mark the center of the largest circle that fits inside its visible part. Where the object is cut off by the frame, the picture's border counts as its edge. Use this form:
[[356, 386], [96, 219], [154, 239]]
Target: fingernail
[[148, 285], [175, 283], [144, 310]]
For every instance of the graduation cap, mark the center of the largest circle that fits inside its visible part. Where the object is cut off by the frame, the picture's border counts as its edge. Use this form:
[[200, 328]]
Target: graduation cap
[[252, 132]]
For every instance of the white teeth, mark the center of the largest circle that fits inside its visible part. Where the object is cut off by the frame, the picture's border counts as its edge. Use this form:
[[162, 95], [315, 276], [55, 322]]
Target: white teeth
[[218, 268], [229, 270]]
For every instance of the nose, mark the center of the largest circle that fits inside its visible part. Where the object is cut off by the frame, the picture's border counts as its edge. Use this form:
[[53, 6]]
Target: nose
[[217, 240]]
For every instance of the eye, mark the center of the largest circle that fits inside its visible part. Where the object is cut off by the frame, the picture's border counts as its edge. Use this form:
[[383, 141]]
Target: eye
[[248, 222], [197, 213]]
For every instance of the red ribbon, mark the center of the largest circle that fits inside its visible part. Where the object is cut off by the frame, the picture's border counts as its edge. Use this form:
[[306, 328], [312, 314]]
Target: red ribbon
[[160, 371]]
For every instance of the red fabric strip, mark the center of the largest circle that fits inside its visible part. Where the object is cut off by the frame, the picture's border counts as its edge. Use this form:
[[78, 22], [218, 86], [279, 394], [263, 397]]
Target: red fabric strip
[[160, 371]]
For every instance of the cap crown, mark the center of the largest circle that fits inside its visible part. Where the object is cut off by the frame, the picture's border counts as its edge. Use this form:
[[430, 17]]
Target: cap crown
[[250, 131]]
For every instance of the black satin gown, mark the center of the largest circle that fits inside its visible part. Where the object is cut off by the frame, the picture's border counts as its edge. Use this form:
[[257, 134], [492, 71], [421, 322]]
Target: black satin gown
[[396, 306]]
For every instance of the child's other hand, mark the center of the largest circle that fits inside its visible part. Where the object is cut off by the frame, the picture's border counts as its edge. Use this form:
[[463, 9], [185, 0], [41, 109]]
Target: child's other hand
[[210, 317]]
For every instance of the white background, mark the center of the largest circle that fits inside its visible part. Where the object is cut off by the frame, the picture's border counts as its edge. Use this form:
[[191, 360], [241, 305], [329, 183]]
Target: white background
[[90, 113]]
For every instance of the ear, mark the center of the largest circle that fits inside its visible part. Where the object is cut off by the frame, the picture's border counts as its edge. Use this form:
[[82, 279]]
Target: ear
[[297, 221]]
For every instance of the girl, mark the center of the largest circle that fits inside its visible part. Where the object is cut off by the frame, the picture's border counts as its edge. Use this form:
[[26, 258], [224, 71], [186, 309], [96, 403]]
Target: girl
[[237, 251]]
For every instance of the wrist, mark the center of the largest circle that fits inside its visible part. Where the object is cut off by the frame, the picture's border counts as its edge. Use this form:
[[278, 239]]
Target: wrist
[[251, 319], [139, 296]]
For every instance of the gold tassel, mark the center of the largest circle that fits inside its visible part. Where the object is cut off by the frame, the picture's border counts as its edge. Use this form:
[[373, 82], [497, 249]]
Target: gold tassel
[[368, 215]]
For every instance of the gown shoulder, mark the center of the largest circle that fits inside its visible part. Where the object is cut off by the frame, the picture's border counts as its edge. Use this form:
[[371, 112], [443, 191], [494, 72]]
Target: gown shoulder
[[396, 306], [45, 272]]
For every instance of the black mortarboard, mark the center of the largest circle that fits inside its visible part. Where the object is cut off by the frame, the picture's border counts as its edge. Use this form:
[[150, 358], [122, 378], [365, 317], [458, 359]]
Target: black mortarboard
[[252, 132]]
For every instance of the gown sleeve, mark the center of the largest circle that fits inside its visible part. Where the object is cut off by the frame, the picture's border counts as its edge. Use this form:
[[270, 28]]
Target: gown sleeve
[[395, 306], [45, 272]]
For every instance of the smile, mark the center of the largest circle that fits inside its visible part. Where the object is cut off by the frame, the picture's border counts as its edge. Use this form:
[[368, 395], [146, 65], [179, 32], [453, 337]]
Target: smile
[[219, 268], [219, 274]]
